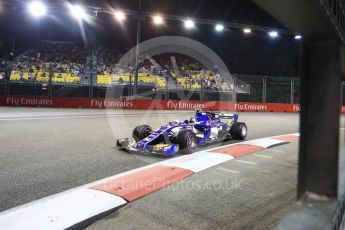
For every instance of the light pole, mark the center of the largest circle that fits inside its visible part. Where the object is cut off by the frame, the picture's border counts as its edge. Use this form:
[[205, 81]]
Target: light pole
[[137, 50]]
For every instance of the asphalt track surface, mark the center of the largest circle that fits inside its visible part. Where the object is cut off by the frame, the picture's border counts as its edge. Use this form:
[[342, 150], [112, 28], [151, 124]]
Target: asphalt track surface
[[46, 151]]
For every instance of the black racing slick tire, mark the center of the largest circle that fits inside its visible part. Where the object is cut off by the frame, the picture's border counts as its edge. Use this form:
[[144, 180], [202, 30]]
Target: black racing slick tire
[[238, 130], [186, 140], [141, 131]]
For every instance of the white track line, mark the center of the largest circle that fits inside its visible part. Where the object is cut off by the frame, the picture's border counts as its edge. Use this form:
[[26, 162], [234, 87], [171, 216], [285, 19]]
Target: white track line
[[228, 170], [50, 118], [260, 155], [70, 117], [273, 150], [247, 162]]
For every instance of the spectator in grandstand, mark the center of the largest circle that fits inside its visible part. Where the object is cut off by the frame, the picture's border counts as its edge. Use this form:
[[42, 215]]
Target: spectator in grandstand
[[3, 64], [2, 76], [51, 75]]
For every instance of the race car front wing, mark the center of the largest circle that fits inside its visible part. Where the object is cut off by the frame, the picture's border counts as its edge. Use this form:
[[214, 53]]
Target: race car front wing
[[130, 145]]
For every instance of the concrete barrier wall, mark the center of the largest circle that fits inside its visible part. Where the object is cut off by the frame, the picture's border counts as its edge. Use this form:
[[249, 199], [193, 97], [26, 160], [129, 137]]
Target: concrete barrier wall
[[101, 103]]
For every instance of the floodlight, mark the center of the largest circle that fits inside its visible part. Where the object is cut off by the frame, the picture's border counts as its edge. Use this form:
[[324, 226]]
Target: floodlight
[[119, 15], [247, 30], [78, 12], [158, 20], [273, 34], [189, 24], [298, 37], [219, 27], [37, 9]]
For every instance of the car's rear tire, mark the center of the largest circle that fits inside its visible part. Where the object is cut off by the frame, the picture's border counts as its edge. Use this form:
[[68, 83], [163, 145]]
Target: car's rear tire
[[141, 131], [238, 130], [186, 140]]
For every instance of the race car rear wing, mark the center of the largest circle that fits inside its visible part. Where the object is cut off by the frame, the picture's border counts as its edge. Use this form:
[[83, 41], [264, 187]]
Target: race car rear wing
[[232, 116], [221, 115]]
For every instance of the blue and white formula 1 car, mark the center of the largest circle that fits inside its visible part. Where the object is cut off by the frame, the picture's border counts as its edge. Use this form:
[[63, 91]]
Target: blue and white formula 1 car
[[202, 129]]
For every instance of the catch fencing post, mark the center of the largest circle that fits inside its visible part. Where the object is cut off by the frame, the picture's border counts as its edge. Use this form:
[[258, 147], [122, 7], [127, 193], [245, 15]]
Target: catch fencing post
[[292, 91], [264, 88]]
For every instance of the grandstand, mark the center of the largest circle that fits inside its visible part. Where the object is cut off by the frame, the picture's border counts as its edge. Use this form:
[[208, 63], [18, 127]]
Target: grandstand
[[183, 72], [67, 67], [58, 62]]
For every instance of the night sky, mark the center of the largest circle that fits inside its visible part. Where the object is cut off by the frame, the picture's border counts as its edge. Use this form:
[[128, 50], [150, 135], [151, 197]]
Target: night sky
[[237, 50]]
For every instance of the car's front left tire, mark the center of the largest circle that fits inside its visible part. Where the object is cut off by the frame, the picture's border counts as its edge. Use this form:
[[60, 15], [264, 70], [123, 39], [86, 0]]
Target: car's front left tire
[[186, 140]]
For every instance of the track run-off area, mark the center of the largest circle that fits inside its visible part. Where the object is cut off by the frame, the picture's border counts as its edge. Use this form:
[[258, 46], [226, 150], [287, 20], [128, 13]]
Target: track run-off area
[[46, 151]]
